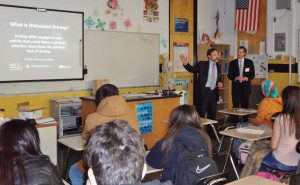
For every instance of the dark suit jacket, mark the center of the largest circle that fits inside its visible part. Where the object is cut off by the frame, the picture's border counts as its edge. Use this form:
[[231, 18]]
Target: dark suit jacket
[[249, 72], [202, 69]]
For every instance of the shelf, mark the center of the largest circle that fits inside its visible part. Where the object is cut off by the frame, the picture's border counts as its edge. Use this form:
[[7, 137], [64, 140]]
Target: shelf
[[66, 116], [224, 73]]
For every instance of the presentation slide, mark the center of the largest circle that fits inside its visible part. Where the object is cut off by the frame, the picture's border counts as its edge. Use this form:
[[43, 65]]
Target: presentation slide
[[40, 44]]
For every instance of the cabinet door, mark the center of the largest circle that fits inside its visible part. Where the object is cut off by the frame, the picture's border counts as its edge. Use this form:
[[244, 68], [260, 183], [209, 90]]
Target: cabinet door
[[49, 142]]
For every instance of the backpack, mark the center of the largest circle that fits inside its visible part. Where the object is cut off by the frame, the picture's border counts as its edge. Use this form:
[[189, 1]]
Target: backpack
[[189, 166], [244, 150]]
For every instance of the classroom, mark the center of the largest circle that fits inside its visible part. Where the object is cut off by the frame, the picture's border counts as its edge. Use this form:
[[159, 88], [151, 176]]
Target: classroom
[[154, 92]]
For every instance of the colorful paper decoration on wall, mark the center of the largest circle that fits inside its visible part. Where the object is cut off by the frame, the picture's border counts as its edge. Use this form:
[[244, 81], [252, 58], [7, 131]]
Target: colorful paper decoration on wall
[[114, 9], [95, 13], [145, 117], [127, 23], [151, 13], [89, 22], [181, 25], [217, 34], [113, 25], [100, 25]]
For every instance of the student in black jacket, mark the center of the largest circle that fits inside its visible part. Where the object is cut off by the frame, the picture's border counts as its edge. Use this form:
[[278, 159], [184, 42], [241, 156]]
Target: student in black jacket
[[186, 128], [21, 160], [207, 83], [241, 71]]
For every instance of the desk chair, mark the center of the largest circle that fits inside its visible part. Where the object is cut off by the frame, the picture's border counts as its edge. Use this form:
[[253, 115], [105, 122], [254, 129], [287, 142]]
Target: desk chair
[[218, 179]]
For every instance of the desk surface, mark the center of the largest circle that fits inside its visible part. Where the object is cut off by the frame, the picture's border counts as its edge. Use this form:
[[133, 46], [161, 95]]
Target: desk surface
[[205, 121], [238, 111], [208, 121], [254, 180], [46, 125], [248, 137], [77, 144]]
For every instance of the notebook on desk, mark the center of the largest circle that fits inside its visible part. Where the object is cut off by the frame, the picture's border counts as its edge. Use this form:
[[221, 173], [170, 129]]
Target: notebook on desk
[[250, 131]]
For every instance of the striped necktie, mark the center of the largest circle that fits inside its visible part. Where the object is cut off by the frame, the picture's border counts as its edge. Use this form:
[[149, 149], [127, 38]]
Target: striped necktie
[[241, 66], [212, 78]]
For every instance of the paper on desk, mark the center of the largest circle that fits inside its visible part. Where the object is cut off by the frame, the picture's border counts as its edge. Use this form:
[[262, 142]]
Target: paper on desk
[[250, 131]]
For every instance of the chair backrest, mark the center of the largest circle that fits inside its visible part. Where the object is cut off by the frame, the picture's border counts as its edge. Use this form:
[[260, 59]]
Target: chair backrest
[[298, 147], [218, 179]]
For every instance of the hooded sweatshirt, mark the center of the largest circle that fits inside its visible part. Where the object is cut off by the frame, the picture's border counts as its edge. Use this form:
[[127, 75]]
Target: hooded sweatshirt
[[110, 109], [188, 136], [266, 109]]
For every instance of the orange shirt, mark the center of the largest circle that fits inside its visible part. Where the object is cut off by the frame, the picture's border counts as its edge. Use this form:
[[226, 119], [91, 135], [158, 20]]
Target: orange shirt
[[266, 108]]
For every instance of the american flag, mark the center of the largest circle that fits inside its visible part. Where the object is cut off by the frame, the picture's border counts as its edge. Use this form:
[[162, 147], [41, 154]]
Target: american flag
[[246, 16]]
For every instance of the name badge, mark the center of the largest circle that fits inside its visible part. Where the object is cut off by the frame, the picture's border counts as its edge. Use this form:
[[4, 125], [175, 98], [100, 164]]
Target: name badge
[[247, 69]]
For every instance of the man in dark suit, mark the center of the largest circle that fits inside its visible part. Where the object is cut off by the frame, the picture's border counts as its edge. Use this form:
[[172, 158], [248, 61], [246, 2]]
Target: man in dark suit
[[207, 83], [241, 71]]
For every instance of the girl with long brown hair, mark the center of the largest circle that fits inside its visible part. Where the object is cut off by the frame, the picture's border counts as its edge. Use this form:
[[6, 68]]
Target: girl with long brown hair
[[286, 134], [21, 159], [186, 128]]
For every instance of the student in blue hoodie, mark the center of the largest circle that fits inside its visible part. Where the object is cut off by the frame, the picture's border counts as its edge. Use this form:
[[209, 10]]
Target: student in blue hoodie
[[186, 128]]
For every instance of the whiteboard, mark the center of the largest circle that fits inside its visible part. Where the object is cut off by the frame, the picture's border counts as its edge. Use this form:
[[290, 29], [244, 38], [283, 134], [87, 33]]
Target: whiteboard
[[130, 61], [126, 59]]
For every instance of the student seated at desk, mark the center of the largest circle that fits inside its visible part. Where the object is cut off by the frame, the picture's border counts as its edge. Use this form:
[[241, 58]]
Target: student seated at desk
[[186, 131], [270, 105], [21, 159], [116, 155], [286, 134], [110, 106]]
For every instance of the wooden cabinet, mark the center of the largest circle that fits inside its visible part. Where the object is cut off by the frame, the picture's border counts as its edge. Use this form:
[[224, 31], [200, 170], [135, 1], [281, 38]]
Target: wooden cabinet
[[162, 108]]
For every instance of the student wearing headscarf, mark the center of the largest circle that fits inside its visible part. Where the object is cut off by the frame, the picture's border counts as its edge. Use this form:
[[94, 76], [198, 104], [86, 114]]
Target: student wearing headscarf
[[269, 106]]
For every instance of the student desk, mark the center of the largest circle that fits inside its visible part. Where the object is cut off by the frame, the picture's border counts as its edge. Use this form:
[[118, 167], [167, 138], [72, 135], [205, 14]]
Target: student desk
[[233, 133], [162, 107], [241, 112], [254, 180], [77, 144], [211, 123]]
